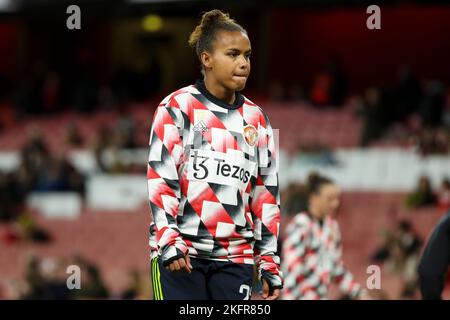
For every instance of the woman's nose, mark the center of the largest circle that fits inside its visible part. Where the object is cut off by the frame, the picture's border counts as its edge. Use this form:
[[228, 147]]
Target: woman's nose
[[243, 63]]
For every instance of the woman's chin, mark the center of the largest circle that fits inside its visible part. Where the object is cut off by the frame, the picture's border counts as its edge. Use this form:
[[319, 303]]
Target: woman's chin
[[239, 86]]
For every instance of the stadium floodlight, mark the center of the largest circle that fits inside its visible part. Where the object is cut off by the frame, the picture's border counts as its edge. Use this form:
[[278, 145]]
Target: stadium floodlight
[[8, 5]]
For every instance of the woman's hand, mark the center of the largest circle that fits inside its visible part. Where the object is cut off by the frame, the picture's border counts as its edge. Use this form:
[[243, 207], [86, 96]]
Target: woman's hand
[[267, 294], [181, 264]]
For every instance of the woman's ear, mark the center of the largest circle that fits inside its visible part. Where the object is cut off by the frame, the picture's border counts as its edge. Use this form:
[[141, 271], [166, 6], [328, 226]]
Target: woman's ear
[[206, 59]]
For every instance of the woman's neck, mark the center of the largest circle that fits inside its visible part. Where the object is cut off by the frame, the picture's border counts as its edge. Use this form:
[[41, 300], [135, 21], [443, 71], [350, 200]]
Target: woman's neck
[[314, 212], [219, 91]]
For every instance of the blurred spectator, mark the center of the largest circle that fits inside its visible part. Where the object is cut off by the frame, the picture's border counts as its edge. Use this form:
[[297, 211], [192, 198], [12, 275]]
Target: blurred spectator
[[403, 236], [41, 171], [22, 182], [37, 171], [72, 136], [102, 142], [35, 280], [42, 288], [29, 231], [329, 86], [92, 286], [320, 91], [383, 252], [34, 153], [406, 94], [405, 267], [134, 290], [125, 132], [408, 238], [442, 141], [46, 279], [338, 82], [433, 141], [9, 201], [425, 142], [400, 253], [432, 104], [25, 229], [374, 114], [59, 175], [109, 142], [422, 196]]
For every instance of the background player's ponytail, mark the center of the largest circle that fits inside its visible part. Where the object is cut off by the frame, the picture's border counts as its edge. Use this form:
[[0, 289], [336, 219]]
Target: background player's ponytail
[[203, 36], [315, 181]]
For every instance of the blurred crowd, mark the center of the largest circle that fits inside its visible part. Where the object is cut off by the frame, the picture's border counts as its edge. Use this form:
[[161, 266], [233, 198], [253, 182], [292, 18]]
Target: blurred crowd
[[48, 87], [410, 108], [424, 195], [399, 254], [47, 278], [39, 170], [328, 88], [110, 139]]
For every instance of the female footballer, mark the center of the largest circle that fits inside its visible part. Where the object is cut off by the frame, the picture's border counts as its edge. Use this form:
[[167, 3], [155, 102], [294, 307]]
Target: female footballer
[[312, 250], [212, 178]]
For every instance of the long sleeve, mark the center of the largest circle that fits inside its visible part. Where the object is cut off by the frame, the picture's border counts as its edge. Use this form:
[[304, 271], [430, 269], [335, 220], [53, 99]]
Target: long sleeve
[[265, 208], [346, 281], [294, 249], [341, 275], [163, 179]]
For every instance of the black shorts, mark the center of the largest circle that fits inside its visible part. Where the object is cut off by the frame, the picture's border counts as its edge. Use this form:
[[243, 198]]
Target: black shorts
[[209, 280]]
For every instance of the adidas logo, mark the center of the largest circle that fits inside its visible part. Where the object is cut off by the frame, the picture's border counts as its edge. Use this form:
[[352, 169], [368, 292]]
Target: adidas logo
[[201, 127]]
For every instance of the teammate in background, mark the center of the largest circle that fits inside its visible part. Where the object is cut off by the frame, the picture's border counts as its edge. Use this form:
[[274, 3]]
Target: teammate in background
[[312, 250], [212, 178], [435, 262]]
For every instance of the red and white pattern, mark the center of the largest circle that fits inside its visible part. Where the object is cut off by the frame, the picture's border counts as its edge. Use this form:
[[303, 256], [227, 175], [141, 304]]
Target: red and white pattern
[[212, 194], [312, 259]]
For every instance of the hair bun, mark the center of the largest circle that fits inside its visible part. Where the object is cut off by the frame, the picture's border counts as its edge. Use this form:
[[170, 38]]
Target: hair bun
[[214, 16], [313, 177], [315, 181], [203, 36]]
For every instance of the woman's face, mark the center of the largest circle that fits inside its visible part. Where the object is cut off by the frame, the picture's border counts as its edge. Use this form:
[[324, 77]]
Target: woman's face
[[229, 62], [327, 200]]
